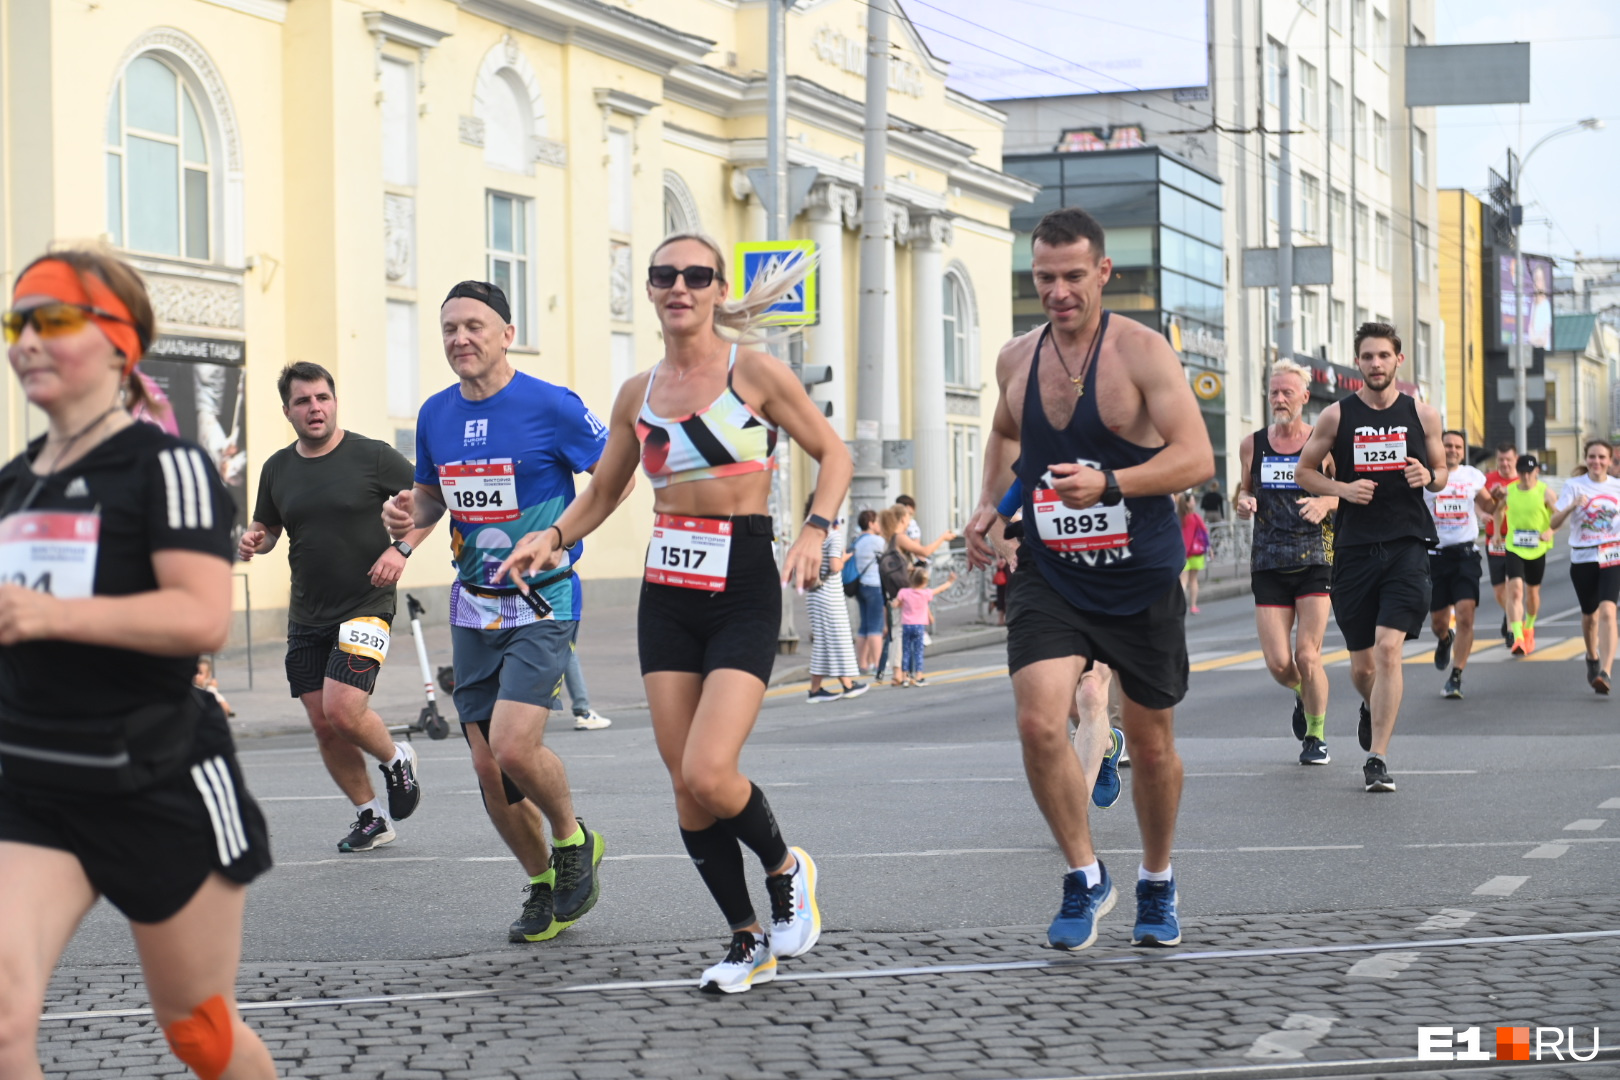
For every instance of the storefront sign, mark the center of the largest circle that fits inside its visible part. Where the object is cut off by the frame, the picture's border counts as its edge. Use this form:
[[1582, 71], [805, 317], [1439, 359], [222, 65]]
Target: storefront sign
[[1083, 140], [199, 390], [835, 47], [1207, 385]]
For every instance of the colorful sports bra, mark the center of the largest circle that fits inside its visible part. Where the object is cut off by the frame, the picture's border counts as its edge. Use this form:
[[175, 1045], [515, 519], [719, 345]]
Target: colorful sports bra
[[726, 439]]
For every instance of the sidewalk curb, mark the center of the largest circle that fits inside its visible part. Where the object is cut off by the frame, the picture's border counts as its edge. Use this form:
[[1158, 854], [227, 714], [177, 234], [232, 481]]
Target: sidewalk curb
[[968, 639]]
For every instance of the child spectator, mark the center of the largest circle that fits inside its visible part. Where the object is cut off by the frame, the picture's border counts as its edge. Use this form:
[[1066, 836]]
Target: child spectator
[[916, 616], [204, 680]]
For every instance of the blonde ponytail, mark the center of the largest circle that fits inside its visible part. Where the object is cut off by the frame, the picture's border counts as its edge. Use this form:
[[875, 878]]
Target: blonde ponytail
[[744, 320]]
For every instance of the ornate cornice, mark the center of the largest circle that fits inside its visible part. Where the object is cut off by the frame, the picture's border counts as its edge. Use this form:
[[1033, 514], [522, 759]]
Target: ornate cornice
[[840, 200]]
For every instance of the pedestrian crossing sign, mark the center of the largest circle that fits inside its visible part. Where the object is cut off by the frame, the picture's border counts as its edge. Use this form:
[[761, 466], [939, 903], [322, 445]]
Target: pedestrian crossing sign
[[801, 307]]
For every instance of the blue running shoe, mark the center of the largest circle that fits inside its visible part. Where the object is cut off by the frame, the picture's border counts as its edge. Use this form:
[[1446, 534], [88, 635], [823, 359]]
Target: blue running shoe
[[1105, 792], [1075, 927], [1156, 923]]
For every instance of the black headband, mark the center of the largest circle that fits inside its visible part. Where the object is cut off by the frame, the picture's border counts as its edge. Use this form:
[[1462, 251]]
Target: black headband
[[485, 293]]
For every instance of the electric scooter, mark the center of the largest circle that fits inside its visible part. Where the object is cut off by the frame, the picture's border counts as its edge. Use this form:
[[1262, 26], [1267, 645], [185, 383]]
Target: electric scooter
[[429, 719]]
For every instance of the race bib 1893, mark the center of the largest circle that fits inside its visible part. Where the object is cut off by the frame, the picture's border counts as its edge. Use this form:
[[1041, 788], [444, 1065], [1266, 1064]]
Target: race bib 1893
[[1092, 529]]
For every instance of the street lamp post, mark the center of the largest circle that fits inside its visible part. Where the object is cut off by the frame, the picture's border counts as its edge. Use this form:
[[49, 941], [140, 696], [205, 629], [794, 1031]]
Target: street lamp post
[[1521, 364]]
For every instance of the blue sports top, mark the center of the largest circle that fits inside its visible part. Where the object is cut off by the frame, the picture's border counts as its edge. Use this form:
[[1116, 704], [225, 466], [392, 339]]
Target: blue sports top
[[726, 439], [506, 467], [1113, 581]]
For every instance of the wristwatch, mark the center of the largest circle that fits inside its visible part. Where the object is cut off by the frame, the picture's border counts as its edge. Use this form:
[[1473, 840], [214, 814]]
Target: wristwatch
[[402, 547], [1111, 495], [816, 521]]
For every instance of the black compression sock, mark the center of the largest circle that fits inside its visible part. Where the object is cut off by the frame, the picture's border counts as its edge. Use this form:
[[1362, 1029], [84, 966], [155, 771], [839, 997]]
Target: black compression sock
[[756, 827], [719, 863]]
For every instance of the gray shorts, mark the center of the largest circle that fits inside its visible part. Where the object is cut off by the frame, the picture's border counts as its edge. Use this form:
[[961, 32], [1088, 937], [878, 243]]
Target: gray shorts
[[520, 663]]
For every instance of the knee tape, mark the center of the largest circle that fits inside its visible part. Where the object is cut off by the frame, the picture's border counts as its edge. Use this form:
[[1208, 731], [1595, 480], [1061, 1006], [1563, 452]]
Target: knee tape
[[204, 1039]]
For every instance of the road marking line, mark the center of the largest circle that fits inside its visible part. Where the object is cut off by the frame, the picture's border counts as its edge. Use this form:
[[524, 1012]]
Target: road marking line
[[1227, 661], [1067, 961], [1447, 919], [964, 780], [1336, 656], [1547, 851], [1193, 774], [297, 798], [1586, 825], [1501, 885], [1299, 1032], [1567, 649], [789, 783], [1307, 847], [1439, 772], [1609, 804], [1387, 965]]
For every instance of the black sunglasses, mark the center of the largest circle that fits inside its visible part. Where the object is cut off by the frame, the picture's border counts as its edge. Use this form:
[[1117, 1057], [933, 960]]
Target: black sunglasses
[[697, 277]]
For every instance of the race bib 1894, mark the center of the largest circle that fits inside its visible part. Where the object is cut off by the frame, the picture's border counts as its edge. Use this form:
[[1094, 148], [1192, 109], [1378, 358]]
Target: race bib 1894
[[1379, 453], [1092, 529], [481, 493]]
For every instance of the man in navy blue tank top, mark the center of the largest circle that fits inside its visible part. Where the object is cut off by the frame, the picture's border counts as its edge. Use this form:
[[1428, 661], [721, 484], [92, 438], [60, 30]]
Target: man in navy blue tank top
[[1098, 424], [1386, 449]]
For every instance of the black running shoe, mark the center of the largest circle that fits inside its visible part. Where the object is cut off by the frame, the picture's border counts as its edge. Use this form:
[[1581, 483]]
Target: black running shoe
[[1507, 635], [577, 883], [1453, 688], [1592, 670], [1364, 728], [1601, 683], [404, 793], [1315, 752], [1376, 775], [1299, 718], [1442, 651], [538, 921], [369, 831]]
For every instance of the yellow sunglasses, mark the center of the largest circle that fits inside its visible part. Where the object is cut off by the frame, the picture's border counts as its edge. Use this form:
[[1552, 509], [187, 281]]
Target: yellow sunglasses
[[52, 320]]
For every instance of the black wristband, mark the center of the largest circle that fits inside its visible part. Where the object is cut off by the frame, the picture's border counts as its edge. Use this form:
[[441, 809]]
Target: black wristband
[[560, 541], [816, 521]]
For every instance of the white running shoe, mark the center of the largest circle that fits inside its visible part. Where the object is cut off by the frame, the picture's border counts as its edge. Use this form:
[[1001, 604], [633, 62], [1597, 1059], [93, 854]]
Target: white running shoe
[[591, 721], [795, 918], [747, 962]]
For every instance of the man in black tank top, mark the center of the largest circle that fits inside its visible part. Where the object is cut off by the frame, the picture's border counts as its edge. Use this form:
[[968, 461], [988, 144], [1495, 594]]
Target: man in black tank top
[[1291, 558], [1386, 450], [1098, 423]]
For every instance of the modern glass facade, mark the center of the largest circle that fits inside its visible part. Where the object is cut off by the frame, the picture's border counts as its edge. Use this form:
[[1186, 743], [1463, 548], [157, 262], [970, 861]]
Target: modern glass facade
[[1163, 220]]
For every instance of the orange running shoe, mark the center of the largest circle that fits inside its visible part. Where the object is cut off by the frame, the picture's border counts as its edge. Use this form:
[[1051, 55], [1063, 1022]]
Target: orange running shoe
[[1529, 640]]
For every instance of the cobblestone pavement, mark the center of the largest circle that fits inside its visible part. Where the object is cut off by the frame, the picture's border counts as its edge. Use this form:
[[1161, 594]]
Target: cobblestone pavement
[[1337, 994]]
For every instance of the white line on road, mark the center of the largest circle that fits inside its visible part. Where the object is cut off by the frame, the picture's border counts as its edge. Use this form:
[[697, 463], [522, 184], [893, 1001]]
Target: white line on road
[[1609, 804], [886, 972], [1383, 966], [1501, 885], [1585, 825], [1447, 919], [1547, 851], [1299, 1032], [1439, 772], [1307, 847], [964, 780]]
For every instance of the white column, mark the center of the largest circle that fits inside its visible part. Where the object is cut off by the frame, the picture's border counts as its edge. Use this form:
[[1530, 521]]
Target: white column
[[929, 235], [899, 226], [830, 207]]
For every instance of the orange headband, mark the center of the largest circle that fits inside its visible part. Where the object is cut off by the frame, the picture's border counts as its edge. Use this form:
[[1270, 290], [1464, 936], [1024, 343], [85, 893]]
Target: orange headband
[[58, 280]]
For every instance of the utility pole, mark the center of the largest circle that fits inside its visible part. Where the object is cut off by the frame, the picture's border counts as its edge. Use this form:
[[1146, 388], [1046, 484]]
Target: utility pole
[[1285, 209], [1521, 365], [776, 228], [868, 489]]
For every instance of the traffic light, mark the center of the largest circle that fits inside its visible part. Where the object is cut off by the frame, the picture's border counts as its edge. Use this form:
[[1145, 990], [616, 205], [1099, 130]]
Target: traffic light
[[814, 375]]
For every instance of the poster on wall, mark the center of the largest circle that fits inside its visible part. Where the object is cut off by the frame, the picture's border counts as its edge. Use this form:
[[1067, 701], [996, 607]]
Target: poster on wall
[[199, 390], [1534, 302]]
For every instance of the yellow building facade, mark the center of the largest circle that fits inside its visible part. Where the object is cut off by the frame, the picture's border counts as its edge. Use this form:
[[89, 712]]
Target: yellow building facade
[[305, 180], [1462, 311]]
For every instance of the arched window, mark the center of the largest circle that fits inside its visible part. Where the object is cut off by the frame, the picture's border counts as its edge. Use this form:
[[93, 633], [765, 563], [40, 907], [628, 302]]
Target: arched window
[[508, 123], [159, 165], [680, 209], [959, 327]]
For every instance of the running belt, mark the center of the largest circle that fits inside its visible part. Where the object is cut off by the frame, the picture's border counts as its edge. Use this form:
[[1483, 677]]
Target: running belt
[[726, 439]]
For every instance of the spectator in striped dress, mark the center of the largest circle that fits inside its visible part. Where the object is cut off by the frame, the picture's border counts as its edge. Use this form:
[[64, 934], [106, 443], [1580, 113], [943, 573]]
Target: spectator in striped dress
[[832, 650]]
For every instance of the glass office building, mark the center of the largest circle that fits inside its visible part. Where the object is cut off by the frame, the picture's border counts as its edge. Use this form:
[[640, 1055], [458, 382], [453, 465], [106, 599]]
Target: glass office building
[[1164, 227]]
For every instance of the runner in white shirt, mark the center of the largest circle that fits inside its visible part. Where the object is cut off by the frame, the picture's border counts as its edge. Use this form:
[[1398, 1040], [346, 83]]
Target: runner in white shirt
[[1454, 568], [1591, 502]]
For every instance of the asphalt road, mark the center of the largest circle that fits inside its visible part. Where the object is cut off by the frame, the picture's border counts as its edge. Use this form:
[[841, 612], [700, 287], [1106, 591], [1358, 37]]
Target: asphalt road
[[914, 804]]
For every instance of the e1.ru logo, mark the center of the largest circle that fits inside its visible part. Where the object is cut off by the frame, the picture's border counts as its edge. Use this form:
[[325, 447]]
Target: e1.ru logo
[[1512, 1044]]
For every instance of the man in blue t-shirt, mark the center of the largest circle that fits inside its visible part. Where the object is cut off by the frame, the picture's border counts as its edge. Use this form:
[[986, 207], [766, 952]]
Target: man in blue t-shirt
[[499, 450]]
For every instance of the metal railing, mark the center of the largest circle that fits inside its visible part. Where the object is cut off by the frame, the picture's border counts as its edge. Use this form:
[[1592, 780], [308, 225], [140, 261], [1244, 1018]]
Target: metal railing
[[1229, 543]]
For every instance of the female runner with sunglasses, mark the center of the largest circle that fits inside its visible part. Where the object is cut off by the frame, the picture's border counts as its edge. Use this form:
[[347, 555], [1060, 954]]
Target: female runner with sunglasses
[[120, 778], [704, 424]]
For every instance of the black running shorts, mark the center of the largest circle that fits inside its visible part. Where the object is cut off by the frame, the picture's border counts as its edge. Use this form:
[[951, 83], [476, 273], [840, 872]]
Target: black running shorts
[[1280, 588], [1498, 566], [1594, 585], [1147, 650], [150, 852], [313, 657], [1453, 576], [680, 629], [1533, 571], [1380, 585]]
